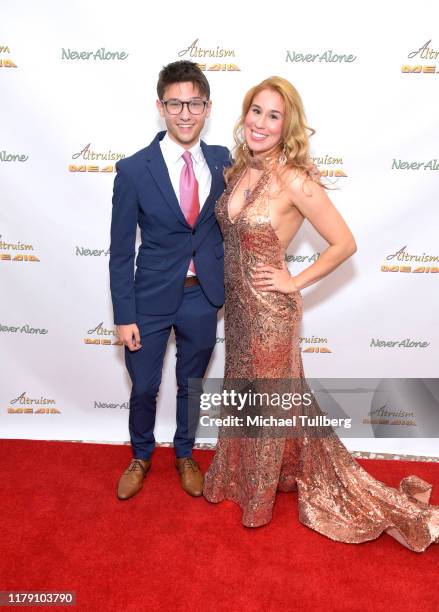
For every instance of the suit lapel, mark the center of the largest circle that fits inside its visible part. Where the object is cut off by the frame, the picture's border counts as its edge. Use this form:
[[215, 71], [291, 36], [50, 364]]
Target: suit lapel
[[160, 174], [216, 172]]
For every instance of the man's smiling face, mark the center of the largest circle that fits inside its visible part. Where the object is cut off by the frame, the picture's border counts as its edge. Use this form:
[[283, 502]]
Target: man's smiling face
[[184, 128]]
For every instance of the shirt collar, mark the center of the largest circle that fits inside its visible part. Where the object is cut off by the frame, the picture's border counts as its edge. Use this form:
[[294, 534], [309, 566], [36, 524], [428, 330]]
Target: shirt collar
[[174, 151]]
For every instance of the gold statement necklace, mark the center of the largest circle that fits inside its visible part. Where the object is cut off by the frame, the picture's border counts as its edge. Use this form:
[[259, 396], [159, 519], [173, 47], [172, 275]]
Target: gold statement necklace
[[260, 163]]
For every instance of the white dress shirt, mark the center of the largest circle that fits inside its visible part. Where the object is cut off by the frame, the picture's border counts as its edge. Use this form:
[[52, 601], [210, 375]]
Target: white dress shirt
[[172, 153]]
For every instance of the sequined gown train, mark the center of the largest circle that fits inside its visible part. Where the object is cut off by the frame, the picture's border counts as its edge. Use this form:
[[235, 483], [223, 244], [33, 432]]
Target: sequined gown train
[[336, 496]]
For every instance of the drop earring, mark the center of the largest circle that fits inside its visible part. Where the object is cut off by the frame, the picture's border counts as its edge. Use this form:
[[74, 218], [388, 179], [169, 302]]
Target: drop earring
[[283, 156]]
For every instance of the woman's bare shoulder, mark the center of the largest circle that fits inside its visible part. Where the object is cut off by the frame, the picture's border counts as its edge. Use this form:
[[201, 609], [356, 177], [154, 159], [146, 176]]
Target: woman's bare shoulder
[[299, 183]]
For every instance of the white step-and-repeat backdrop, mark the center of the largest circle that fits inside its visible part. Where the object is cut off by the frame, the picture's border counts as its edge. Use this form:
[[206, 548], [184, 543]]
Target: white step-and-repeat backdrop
[[77, 83]]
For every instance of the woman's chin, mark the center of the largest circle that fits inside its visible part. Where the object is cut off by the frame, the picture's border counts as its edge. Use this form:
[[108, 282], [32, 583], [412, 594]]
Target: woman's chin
[[259, 148]]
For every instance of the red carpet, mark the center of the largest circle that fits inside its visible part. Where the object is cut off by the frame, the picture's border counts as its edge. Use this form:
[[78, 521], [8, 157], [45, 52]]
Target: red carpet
[[64, 529]]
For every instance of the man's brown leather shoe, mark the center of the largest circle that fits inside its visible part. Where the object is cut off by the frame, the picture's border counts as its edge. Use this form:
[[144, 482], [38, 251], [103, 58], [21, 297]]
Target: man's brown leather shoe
[[132, 479], [190, 475]]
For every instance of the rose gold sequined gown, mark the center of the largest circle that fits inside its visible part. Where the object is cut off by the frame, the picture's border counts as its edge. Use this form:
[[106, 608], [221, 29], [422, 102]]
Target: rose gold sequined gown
[[336, 496]]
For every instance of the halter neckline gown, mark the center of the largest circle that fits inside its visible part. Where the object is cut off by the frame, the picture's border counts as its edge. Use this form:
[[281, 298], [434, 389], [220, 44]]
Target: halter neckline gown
[[336, 496]]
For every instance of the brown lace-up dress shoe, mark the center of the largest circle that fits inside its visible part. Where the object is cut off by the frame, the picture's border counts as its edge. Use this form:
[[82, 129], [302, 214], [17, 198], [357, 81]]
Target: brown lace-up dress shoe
[[132, 479], [190, 475]]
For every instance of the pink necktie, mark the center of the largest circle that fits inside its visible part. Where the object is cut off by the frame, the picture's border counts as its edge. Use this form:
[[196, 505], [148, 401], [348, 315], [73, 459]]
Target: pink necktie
[[189, 200]]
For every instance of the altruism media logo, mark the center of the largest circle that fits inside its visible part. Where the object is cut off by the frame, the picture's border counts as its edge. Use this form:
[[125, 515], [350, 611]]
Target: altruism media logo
[[398, 262], [23, 404], [88, 160], [217, 56]]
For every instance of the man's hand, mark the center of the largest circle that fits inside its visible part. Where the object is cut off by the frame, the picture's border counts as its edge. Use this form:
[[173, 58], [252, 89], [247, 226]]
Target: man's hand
[[129, 335]]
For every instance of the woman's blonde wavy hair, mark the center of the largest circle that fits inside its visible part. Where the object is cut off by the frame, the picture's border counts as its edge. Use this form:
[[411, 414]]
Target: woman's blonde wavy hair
[[295, 134]]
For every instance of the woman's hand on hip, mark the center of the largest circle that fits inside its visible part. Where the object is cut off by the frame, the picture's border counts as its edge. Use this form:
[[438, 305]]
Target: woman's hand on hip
[[269, 278]]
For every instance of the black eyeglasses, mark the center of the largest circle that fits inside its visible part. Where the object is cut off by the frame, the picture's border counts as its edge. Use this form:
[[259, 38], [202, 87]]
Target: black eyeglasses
[[175, 106]]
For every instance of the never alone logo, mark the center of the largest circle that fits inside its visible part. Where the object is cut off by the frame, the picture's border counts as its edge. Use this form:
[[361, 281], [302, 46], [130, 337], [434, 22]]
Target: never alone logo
[[112, 405], [401, 164], [81, 251], [23, 329], [13, 157], [101, 54], [302, 258], [405, 343], [327, 57]]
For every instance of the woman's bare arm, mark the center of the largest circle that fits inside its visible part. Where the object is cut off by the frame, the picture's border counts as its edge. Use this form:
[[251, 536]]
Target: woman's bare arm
[[314, 204]]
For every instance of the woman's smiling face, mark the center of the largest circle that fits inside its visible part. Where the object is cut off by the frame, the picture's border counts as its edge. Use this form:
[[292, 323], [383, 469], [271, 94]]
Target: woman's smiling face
[[264, 121]]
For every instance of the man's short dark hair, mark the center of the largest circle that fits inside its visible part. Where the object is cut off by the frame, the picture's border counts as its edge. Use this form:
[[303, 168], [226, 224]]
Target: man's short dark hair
[[182, 71]]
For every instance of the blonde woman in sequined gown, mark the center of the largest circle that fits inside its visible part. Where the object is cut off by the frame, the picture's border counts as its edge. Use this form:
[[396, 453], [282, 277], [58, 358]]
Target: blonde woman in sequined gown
[[271, 189]]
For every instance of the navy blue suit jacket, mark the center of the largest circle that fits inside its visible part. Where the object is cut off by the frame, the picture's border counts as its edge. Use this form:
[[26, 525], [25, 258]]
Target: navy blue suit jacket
[[143, 195]]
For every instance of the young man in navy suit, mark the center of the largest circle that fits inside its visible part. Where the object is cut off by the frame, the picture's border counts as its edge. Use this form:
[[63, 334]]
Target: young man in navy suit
[[169, 189]]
